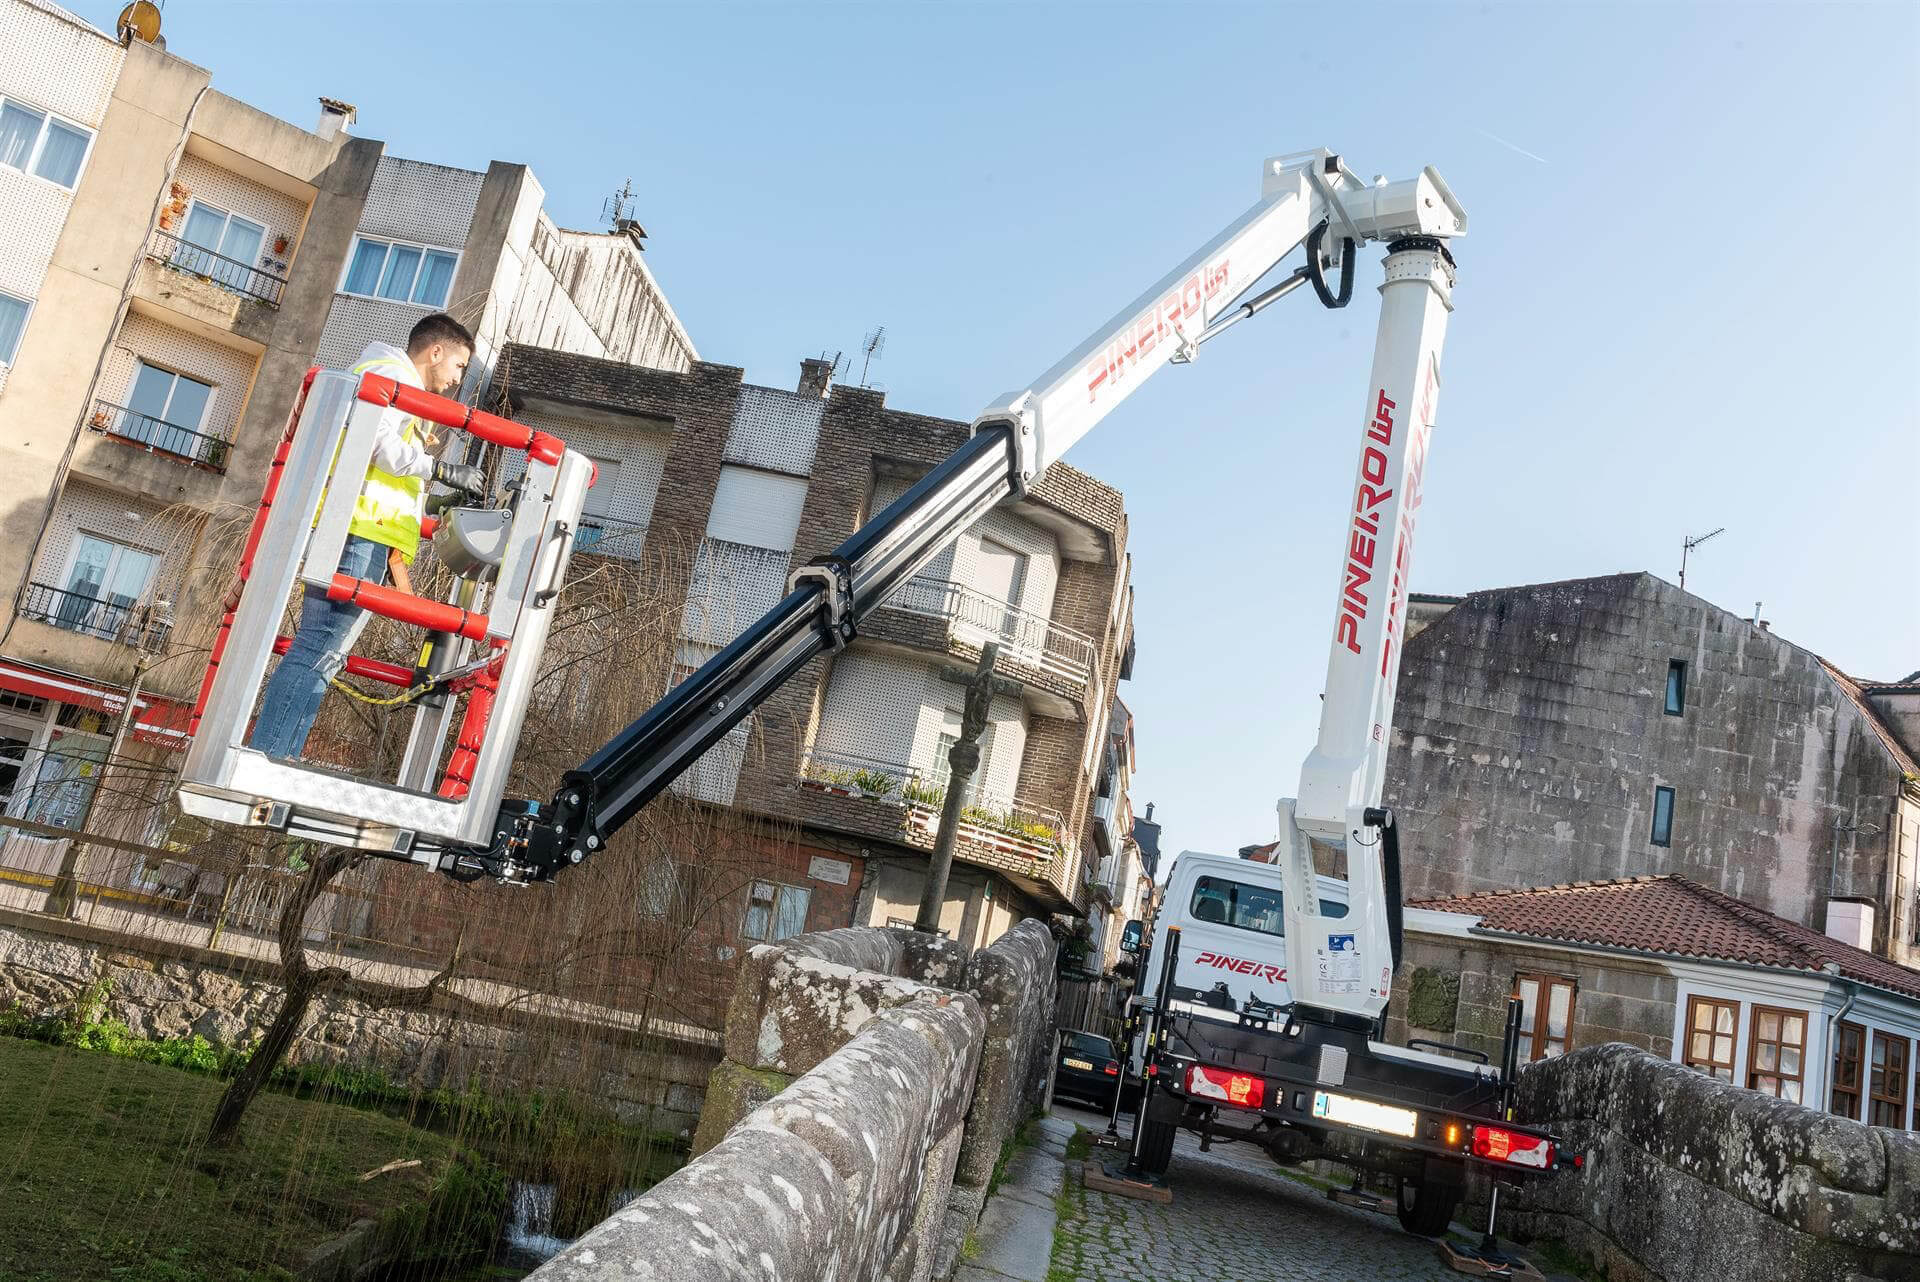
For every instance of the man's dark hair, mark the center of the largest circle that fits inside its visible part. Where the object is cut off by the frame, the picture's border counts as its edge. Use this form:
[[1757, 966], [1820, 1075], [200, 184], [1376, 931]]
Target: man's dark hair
[[438, 328]]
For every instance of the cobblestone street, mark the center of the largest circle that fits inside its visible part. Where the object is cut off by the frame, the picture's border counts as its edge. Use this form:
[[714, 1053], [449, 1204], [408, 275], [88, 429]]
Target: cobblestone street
[[1234, 1218]]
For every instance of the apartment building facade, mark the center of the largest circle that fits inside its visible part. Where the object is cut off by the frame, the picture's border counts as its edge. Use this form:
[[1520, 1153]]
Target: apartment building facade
[[752, 481], [173, 261]]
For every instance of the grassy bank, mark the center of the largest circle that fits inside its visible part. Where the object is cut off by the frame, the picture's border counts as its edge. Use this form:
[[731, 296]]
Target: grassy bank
[[103, 1175]]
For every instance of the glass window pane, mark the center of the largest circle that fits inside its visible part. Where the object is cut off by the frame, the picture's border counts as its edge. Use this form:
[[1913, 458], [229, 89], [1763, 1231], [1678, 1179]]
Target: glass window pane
[[13, 322], [1662, 816], [64, 783], [89, 566], [188, 408], [369, 256], [790, 918], [1769, 1025], [151, 389], [402, 263], [19, 129], [1794, 1030], [205, 226], [1723, 1050], [61, 154], [1766, 1056], [436, 279], [1529, 1003], [759, 916], [128, 577], [1723, 1019], [1790, 1060], [1559, 1000], [1701, 1047], [1790, 1090], [243, 240]]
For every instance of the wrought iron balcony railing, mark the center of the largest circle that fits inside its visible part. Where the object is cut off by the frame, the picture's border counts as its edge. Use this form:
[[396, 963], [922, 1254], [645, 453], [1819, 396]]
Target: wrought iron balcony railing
[[1024, 638], [228, 273], [999, 831], [128, 622], [160, 436]]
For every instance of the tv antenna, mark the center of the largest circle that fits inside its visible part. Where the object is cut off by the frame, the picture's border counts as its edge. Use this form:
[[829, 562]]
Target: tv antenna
[[617, 210], [838, 360], [1689, 545], [872, 346]]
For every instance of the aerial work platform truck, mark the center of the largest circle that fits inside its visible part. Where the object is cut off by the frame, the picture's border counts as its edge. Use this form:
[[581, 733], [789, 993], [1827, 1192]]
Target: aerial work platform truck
[[1297, 1065]]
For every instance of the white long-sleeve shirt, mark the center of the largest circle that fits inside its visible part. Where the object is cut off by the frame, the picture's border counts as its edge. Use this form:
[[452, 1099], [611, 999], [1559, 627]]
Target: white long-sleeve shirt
[[392, 451]]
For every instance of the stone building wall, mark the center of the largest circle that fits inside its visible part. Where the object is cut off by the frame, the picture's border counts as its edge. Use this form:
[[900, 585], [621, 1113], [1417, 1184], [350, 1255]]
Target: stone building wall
[[1455, 990], [1530, 736]]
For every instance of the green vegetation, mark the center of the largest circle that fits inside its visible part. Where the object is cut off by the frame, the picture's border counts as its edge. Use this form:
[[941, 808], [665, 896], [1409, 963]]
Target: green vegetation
[[103, 1176], [586, 1152], [1068, 1261], [1022, 1137]]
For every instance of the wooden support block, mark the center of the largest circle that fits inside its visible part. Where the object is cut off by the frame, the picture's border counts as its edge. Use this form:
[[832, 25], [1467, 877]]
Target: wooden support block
[[1147, 1189], [1468, 1260]]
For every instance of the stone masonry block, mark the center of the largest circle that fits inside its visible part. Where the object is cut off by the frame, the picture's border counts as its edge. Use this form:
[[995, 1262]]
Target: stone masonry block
[[791, 1010]]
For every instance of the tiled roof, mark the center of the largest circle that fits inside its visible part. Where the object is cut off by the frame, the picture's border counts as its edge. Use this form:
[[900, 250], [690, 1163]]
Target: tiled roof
[[1676, 917]]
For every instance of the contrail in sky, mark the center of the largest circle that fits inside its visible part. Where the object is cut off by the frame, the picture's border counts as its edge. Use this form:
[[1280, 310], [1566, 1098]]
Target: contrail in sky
[[1511, 146]]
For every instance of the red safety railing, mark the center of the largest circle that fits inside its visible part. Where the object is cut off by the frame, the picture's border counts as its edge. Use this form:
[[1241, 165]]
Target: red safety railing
[[274, 471], [448, 413], [482, 685]]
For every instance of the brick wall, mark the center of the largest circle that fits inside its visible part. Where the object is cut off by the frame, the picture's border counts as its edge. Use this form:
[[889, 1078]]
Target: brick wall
[[859, 439]]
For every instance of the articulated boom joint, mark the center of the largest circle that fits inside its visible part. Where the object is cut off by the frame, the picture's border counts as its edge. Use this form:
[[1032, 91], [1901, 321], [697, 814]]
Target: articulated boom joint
[[834, 575]]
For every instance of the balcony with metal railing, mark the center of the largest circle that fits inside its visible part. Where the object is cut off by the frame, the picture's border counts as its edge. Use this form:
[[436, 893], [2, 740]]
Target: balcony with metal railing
[[1028, 843], [157, 436], [229, 274], [143, 626], [1104, 834], [974, 618]]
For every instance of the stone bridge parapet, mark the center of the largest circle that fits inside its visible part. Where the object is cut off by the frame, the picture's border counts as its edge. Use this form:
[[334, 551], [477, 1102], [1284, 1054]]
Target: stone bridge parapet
[[871, 1077], [1688, 1177]]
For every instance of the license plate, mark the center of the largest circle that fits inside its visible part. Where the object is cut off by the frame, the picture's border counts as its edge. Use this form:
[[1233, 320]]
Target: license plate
[[1078, 1063], [1365, 1114]]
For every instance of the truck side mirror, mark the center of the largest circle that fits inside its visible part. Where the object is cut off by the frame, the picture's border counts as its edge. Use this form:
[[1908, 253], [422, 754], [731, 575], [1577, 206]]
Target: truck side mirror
[[1130, 938]]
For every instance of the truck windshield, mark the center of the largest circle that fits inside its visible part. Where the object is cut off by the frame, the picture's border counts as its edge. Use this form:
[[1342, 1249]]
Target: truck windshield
[[1235, 903]]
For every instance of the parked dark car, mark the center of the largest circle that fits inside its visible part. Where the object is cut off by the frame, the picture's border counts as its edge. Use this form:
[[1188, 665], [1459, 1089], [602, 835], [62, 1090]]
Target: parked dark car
[[1088, 1069]]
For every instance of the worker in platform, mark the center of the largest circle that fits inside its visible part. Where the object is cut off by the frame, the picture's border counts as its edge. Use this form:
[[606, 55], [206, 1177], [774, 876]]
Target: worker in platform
[[383, 535]]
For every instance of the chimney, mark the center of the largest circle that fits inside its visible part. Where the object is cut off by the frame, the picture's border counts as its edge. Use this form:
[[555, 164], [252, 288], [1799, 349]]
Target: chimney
[[816, 377], [1851, 922], [1149, 812], [335, 116]]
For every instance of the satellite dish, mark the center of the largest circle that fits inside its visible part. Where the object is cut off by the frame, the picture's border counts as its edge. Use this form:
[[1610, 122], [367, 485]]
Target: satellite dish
[[141, 20]]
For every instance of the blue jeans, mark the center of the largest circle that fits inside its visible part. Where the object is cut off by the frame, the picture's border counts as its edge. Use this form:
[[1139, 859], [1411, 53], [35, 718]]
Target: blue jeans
[[320, 646]]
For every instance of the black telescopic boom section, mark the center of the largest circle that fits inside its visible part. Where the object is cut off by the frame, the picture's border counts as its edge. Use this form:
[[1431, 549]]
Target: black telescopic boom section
[[611, 786]]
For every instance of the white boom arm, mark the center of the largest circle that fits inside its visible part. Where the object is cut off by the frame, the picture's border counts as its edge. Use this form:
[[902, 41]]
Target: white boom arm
[[1338, 964]]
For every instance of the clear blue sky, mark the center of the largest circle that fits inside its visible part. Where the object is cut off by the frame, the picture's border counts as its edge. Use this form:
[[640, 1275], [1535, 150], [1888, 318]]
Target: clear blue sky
[[1696, 308]]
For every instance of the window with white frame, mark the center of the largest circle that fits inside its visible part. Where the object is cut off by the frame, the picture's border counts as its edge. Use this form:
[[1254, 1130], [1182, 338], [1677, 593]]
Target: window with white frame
[[165, 407], [102, 583], [594, 517], [214, 229], [404, 273], [13, 323], [42, 144], [775, 911]]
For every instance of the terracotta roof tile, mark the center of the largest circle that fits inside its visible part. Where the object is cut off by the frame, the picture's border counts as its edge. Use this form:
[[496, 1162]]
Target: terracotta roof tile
[[1675, 916]]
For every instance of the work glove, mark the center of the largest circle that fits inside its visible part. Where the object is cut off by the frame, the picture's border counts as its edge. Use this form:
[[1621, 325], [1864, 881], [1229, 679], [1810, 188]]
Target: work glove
[[460, 476]]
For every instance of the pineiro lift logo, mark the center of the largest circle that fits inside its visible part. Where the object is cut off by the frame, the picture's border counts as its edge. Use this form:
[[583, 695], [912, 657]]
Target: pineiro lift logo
[[1242, 966]]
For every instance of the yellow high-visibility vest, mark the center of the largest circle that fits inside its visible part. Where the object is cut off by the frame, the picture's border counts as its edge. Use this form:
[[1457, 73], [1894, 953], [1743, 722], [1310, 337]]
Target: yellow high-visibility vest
[[390, 508]]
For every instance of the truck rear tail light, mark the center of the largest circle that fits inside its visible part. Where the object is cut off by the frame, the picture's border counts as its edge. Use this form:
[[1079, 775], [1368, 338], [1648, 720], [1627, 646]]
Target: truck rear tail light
[[1243, 1089], [1515, 1148]]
